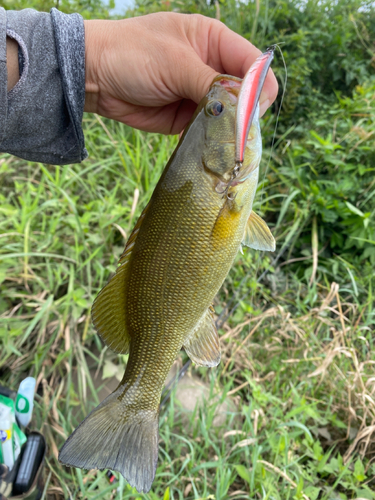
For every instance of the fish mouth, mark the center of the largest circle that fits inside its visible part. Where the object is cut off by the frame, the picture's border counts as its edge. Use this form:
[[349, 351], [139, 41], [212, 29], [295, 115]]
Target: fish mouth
[[245, 94], [241, 173], [232, 85], [224, 186], [245, 174]]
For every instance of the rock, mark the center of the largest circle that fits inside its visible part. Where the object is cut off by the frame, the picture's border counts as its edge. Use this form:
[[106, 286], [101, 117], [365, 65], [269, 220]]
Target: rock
[[192, 391]]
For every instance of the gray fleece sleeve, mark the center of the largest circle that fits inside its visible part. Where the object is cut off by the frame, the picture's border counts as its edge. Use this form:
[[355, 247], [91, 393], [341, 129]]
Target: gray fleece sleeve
[[40, 118]]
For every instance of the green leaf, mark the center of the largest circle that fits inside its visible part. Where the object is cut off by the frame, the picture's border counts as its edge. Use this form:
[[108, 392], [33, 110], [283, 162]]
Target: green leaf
[[365, 493], [318, 451], [243, 472], [312, 492], [2, 275], [354, 209], [359, 470], [112, 370], [299, 486], [153, 495]]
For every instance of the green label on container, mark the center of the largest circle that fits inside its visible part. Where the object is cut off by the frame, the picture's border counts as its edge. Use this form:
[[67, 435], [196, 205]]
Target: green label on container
[[22, 404]]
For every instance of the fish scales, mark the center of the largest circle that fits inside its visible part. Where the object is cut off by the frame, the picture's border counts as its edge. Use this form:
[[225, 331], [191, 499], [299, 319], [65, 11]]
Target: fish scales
[[174, 263], [176, 256]]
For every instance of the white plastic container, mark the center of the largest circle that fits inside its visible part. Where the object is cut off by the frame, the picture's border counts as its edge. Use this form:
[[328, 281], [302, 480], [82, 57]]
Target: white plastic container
[[25, 400], [6, 436]]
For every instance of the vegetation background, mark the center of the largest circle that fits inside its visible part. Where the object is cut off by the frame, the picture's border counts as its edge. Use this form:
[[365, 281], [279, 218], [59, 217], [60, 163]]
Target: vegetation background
[[298, 347]]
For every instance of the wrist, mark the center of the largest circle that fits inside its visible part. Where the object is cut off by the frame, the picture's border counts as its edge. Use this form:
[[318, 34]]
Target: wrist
[[94, 44], [12, 62]]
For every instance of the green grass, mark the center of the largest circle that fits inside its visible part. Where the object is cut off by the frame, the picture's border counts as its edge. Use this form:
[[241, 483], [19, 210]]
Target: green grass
[[298, 354], [298, 360]]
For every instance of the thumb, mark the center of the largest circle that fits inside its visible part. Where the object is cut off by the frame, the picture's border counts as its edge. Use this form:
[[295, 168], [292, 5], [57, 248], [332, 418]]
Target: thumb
[[217, 49]]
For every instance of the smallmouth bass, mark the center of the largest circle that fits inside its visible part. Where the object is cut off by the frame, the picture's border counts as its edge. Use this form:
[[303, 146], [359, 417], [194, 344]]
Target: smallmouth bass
[[174, 263]]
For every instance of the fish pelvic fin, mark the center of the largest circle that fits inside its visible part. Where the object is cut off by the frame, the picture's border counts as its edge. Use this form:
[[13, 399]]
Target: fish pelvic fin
[[116, 436], [258, 235], [109, 311], [203, 345]]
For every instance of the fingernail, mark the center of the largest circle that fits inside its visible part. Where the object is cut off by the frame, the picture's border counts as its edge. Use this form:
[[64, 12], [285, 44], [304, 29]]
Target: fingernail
[[263, 106]]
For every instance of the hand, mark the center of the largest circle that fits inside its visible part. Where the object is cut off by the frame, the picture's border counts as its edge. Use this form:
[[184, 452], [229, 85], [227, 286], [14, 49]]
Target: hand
[[151, 71]]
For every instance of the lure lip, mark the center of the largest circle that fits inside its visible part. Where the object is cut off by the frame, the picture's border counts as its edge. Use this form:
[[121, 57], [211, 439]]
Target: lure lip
[[248, 98]]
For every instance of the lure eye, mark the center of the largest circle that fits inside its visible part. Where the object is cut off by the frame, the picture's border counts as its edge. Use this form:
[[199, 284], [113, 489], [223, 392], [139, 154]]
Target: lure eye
[[214, 108]]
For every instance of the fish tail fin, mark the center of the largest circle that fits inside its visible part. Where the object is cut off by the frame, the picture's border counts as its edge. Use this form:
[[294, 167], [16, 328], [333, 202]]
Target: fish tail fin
[[118, 437]]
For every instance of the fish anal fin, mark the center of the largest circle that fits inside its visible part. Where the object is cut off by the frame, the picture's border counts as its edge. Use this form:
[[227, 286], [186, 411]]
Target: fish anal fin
[[258, 235], [118, 437], [109, 309], [203, 345]]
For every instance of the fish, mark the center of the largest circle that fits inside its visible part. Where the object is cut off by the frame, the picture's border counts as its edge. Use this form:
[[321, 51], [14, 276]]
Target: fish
[[174, 263]]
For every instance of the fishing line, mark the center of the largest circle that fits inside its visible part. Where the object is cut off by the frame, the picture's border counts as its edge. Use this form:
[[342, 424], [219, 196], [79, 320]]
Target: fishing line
[[275, 45], [228, 309], [277, 116]]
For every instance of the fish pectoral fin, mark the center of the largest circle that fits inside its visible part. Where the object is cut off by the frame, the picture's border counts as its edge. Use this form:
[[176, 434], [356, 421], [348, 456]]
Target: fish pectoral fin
[[203, 345], [258, 235]]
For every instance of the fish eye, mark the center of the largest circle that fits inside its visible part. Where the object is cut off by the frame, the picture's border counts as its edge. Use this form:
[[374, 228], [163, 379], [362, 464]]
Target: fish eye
[[214, 108]]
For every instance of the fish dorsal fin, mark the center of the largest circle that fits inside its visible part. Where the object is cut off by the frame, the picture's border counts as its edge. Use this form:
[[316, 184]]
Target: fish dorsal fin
[[108, 311], [133, 236], [203, 344], [258, 235]]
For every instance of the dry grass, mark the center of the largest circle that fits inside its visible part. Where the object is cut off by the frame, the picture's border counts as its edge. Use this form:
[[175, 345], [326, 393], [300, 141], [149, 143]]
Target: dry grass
[[328, 344]]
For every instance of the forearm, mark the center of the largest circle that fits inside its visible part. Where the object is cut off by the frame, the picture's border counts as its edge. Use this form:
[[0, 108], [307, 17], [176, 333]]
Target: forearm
[[12, 62], [148, 72]]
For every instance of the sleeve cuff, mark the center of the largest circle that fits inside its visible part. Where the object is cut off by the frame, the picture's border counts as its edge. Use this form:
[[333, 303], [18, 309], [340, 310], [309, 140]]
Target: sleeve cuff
[[40, 118], [70, 47]]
